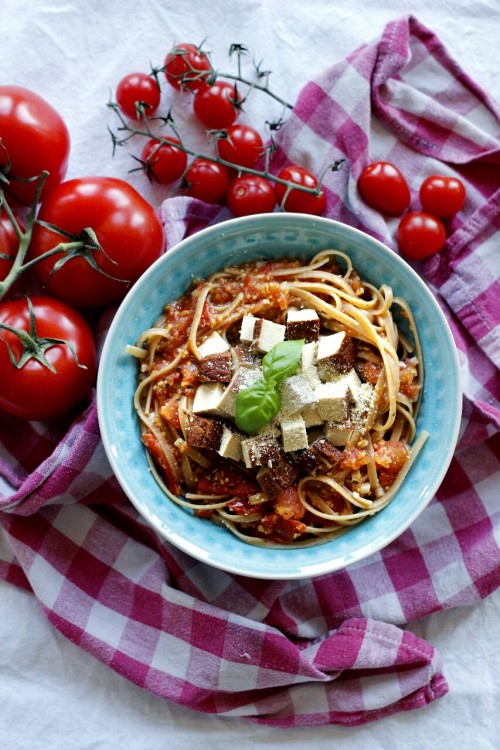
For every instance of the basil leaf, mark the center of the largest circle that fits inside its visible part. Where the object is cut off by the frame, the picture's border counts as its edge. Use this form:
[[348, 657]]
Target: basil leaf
[[282, 360], [257, 405]]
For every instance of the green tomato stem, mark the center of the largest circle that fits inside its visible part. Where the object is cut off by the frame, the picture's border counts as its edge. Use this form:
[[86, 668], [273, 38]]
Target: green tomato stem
[[257, 86], [147, 132], [19, 266], [34, 346]]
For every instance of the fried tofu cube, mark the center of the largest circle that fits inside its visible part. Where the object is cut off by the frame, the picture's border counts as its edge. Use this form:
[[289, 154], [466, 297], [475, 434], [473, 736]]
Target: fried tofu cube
[[333, 401], [320, 452], [353, 382], [247, 330], [308, 368], [338, 434], [311, 416], [244, 377], [282, 474], [204, 432], [311, 374], [336, 352], [296, 393], [214, 344], [302, 324], [244, 355], [267, 334], [294, 434], [230, 444], [308, 460], [363, 403], [308, 355], [260, 450], [207, 399], [326, 450], [216, 367]]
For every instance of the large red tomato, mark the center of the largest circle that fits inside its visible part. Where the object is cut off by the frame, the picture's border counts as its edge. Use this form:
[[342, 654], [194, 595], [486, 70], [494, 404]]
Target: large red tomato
[[126, 227], [34, 138], [38, 390]]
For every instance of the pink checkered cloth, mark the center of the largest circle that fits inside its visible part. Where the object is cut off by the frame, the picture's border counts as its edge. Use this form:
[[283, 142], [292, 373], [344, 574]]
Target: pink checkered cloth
[[333, 649]]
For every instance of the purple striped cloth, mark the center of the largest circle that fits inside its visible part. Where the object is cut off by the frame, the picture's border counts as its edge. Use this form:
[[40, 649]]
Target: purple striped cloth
[[333, 649]]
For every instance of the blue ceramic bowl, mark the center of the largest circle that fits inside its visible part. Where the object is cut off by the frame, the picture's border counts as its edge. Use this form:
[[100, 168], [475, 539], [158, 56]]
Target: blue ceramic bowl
[[252, 238]]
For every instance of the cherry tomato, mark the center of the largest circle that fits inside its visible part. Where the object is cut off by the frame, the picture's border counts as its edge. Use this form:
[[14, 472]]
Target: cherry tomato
[[127, 228], [207, 180], [9, 244], [250, 194], [164, 163], [420, 235], [298, 200], [243, 146], [383, 187], [442, 196], [33, 391], [217, 106], [34, 137], [187, 67], [138, 88]]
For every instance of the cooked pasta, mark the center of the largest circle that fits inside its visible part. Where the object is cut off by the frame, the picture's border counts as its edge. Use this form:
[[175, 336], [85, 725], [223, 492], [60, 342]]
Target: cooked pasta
[[279, 398]]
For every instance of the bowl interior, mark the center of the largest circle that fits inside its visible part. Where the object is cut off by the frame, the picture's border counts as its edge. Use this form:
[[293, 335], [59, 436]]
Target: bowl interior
[[252, 238]]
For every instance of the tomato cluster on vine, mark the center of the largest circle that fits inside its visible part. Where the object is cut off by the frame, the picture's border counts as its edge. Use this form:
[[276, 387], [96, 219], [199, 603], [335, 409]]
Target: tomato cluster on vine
[[421, 233], [65, 246], [236, 170]]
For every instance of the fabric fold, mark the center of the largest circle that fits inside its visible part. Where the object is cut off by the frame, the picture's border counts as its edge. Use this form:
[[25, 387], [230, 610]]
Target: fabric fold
[[191, 652]]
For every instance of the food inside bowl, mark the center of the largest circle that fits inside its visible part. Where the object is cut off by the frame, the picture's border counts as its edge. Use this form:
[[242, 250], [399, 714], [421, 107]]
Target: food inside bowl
[[279, 398]]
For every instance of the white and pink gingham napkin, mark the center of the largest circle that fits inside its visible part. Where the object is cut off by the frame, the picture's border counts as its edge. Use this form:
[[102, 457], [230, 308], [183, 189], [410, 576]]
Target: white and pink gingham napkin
[[333, 649]]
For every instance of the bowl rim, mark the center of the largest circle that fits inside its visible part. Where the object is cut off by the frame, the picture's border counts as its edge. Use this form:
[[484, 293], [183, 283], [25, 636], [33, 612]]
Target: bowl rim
[[311, 569]]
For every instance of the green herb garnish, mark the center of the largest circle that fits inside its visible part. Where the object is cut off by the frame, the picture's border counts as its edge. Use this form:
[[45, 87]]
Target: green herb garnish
[[257, 405], [281, 362]]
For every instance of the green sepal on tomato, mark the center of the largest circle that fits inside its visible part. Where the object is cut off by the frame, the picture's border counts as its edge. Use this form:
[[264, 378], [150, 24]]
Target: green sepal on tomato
[[127, 228], [164, 162], [187, 67], [38, 389], [33, 138], [240, 145]]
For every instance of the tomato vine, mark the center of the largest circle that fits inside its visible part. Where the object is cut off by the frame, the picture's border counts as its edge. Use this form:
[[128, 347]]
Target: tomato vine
[[189, 71]]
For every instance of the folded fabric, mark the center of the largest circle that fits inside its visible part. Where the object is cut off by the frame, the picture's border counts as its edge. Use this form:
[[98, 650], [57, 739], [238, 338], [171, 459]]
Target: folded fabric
[[332, 649]]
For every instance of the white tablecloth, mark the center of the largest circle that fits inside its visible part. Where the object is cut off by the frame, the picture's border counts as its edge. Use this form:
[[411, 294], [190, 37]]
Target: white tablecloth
[[53, 695]]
